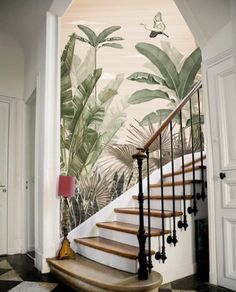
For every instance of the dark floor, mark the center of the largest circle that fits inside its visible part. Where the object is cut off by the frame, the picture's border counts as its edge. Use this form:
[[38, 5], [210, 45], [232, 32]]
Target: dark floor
[[192, 283], [17, 274]]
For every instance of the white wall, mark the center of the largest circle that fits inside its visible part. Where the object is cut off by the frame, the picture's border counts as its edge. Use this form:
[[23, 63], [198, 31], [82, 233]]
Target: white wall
[[21, 71], [11, 66], [42, 70], [12, 86]]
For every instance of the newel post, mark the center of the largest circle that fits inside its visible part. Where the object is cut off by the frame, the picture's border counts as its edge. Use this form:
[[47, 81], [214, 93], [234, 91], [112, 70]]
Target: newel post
[[142, 258]]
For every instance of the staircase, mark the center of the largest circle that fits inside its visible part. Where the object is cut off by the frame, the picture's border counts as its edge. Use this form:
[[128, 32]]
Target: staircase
[[111, 258]]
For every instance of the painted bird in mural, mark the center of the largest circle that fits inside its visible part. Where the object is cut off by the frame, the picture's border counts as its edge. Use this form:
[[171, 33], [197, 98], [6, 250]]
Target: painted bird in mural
[[158, 26]]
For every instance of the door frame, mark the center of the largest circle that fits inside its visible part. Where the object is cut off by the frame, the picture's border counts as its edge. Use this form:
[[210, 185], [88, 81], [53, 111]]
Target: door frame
[[28, 114], [11, 162]]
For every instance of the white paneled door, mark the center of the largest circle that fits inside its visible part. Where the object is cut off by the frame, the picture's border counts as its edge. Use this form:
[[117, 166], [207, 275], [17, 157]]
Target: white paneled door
[[222, 102], [4, 141]]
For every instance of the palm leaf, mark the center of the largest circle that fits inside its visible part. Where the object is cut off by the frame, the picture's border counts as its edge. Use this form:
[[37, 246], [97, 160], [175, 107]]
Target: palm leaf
[[95, 188], [106, 32], [118, 158], [144, 95], [90, 34], [162, 61], [188, 72], [146, 77]]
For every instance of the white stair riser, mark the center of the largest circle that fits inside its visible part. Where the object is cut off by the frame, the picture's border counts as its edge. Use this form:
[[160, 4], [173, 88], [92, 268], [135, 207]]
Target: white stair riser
[[119, 236], [188, 175], [156, 204], [156, 222], [126, 238], [168, 190], [108, 259]]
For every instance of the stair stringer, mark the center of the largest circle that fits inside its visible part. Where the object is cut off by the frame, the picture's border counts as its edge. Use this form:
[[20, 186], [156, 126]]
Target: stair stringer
[[175, 266]]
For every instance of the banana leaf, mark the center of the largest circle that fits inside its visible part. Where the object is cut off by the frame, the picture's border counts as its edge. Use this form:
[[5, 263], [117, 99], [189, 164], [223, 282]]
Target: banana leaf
[[84, 91], [146, 78], [113, 39], [106, 32], [144, 95], [188, 72], [158, 117], [162, 61], [112, 45], [100, 144], [90, 34]]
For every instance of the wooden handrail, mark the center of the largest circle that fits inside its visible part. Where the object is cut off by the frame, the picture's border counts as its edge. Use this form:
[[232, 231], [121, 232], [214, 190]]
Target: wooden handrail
[[197, 86]]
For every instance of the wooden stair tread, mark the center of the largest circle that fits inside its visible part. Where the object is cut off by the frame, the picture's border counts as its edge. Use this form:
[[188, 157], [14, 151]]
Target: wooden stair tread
[[129, 228], [153, 213], [110, 246], [177, 172], [82, 272], [177, 183], [166, 197], [195, 161]]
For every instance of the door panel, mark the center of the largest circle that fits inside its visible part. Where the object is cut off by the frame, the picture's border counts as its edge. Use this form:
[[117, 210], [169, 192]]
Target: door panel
[[4, 138], [222, 106], [230, 243], [227, 102]]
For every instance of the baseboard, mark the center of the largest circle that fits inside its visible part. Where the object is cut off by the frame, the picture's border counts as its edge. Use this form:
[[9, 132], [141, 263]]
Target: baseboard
[[41, 263]]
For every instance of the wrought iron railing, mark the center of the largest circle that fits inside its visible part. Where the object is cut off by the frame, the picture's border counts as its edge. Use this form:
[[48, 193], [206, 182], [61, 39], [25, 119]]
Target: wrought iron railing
[[194, 123]]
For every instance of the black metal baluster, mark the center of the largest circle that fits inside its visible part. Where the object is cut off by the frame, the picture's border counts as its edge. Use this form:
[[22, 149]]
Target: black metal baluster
[[203, 193], [142, 258], [162, 255], [173, 238], [183, 224], [150, 266], [193, 209]]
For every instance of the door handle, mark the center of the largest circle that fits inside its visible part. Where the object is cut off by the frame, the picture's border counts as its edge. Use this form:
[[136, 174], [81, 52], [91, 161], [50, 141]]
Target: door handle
[[222, 175], [2, 186]]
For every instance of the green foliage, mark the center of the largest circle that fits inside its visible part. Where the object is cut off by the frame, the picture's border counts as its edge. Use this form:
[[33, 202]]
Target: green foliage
[[148, 78], [162, 61], [180, 83], [100, 40], [158, 117], [83, 133], [144, 95]]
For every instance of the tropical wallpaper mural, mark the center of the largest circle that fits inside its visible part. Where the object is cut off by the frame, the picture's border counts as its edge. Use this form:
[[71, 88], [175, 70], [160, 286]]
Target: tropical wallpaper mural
[[124, 67]]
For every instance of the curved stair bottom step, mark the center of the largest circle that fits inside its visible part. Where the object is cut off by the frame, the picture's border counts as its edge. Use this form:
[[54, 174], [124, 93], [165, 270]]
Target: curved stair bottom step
[[83, 274]]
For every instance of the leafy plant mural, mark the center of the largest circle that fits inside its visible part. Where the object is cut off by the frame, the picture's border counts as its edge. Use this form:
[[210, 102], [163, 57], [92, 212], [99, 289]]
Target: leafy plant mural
[[85, 132], [178, 83], [104, 168], [100, 41], [174, 84]]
